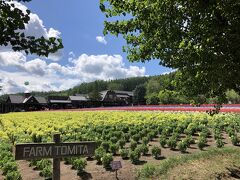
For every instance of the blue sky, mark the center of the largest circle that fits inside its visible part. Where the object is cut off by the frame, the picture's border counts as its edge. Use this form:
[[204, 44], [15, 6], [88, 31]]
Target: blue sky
[[83, 59]]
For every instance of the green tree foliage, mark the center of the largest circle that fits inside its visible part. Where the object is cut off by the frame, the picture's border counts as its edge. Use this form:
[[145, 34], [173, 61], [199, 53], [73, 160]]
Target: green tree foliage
[[157, 84], [171, 97], [127, 84], [95, 95], [153, 86], [12, 22], [152, 99], [232, 97], [199, 38], [115, 86], [139, 94]]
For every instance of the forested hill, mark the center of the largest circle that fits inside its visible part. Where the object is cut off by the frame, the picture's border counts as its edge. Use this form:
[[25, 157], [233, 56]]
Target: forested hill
[[161, 89], [128, 84]]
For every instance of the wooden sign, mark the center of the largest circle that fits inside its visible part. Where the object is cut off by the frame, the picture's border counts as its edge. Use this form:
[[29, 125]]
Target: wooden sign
[[115, 165], [53, 150]]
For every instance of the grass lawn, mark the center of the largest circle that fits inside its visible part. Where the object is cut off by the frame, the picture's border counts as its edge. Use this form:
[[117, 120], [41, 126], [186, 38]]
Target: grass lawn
[[212, 164]]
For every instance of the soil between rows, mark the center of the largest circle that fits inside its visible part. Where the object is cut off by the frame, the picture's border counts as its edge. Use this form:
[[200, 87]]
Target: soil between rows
[[128, 172]]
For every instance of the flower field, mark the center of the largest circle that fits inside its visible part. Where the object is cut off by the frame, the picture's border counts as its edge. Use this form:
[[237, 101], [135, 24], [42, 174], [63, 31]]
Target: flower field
[[227, 108], [128, 135]]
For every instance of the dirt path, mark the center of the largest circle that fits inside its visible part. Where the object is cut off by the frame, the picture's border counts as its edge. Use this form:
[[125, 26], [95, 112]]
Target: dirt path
[[128, 172], [97, 172], [67, 173], [1, 176], [27, 172]]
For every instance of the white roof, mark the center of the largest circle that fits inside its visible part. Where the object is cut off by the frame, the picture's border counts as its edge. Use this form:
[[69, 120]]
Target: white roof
[[78, 98]]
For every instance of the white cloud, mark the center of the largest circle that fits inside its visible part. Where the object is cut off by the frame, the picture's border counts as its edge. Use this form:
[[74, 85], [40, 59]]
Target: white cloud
[[16, 68], [168, 72], [36, 28], [54, 76], [9, 58], [101, 39]]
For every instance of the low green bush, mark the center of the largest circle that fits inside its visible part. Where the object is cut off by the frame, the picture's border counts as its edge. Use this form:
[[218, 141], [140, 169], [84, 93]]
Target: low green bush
[[201, 143], [46, 172], [143, 149], [145, 140], [79, 165], [234, 139], [124, 153], [163, 141], [182, 146], [106, 160], [151, 135], [127, 137], [9, 167], [156, 152], [106, 145], [113, 149], [135, 156], [41, 164], [189, 140], [172, 143], [113, 139], [121, 143], [219, 143], [14, 175], [99, 153], [136, 137], [133, 145]]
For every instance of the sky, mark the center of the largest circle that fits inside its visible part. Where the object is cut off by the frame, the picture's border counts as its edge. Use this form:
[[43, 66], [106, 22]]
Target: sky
[[87, 55]]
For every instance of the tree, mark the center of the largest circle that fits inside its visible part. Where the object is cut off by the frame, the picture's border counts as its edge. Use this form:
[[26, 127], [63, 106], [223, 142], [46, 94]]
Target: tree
[[94, 95], [139, 94], [232, 97], [200, 38], [152, 99], [171, 97], [12, 24], [153, 85], [115, 86]]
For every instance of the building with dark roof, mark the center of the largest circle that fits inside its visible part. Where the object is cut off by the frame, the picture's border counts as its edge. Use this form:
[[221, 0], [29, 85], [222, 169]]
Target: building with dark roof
[[118, 97], [15, 99], [59, 102], [84, 101], [26, 102]]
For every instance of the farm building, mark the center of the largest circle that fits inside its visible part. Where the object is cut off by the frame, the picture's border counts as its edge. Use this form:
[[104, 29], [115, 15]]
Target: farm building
[[59, 102], [79, 100], [119, 97], [28, 102], [25, 102]]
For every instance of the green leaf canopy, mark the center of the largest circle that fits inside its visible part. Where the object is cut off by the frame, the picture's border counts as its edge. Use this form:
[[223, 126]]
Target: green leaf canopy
[[200, 38]]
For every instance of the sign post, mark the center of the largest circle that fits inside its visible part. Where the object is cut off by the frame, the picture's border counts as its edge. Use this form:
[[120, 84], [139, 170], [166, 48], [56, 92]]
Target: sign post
[[56, 150], [56, 161], [116, 165]]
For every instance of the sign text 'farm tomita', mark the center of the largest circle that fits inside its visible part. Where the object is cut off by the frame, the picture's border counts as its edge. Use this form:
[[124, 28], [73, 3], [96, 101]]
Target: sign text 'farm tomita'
[[55, 150]]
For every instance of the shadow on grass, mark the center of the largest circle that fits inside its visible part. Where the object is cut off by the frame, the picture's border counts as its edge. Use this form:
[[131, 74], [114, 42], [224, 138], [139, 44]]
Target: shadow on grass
[[234, 172], [160, 158], [185, 152]]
